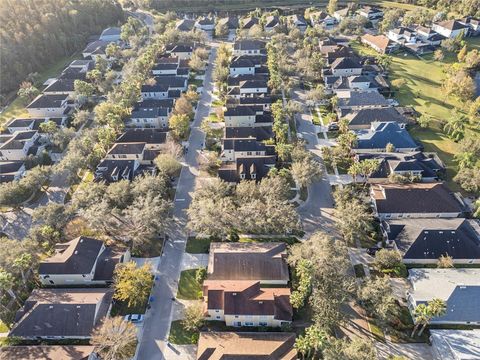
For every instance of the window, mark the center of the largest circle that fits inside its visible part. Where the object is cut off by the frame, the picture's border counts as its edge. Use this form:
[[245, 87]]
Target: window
[[218, 317], [248, 323], [262, 323], [236, 316]]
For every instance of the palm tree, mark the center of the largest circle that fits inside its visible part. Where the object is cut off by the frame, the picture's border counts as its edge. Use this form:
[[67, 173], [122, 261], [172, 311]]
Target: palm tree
[[115, 339], [354, 170], [424, 313]]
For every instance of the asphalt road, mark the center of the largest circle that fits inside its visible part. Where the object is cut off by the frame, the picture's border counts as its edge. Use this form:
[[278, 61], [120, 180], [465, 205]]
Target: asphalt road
[[157, 321]]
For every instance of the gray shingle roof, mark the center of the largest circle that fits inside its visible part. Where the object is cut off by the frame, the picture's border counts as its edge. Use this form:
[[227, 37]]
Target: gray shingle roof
[[383, 133]]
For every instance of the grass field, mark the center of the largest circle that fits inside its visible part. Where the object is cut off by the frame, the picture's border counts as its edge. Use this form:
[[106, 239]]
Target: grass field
[[16, 109], [180, 336], [188, 286], [198, 245]]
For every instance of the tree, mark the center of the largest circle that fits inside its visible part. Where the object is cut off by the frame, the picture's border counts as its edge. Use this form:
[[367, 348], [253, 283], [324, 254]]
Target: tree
[[132, 283], [390, 147], [312, 343], [303, 276], [462, 53], [468, 178], [423, 313], [83, 88], [115, 339], [196, 63], [48, 127], [168, 164], [283, 151], [194, 317], [27, 91], [445, 261], [438, 55], [356, 349], [455, 125], [387, 259], [376, 295], [306, 171], [7, 282], [221, 29], [332, 6], [179, 125], [399, 83], [424, 121]]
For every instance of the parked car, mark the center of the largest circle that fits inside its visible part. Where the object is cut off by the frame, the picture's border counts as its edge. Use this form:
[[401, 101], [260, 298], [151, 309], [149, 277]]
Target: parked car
[[372, 251], [333, 127], [134, 318]]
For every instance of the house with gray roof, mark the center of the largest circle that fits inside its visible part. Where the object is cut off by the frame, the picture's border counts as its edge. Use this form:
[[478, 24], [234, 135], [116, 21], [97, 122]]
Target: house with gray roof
[[381, 134], [363, 118], [49, 105], [423, 241], [455, 344], [11, 170], [248, 47], [62, 313], [355, 100], [459, 288], [149, 117], [185, 25], [20, 145], [247, 168], [111, 34], [82, 261]]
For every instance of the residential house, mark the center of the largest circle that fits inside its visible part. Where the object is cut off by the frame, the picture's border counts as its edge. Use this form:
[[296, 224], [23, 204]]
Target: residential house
[[423, 241], [249, 22], [11, 170], [247, 85], [154, 139], [382, 134], [321, 18], [48, 352], [205, 23], [245, 303], [402, 35], [185, 25], [111, 34], [248, 47], [371, 13], [298, 21], [61, 313], [259, 133], [262, 100], [77, 70], [380, 43], [346, 66], [429, 36], [363, 119], [247, 168], [415, 200], [45, 105], [181, 51], [155, 117], [271, 23], [426, 167], [20, 145], [234, 148], [61, 87], [241, 116], [450, 28], [24, 124], [473, 24], [349, 101], [420, 48], [346, 84], [82, 261], [246, 345], [264, 262], [171, 66], [162, 86], [459, 288], [95, 49], [231, 22], [455, 344], [248, 65]]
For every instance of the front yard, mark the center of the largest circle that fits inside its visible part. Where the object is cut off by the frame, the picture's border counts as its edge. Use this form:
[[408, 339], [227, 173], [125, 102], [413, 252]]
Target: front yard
[[188, 286]]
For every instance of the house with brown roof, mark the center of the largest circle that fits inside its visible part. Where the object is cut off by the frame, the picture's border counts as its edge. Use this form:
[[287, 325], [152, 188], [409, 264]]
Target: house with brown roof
[[415, 200], [245, 303], [81, 261], [44, 352], [380, 43], [263, 262], [450, 28], [62, 313], [246, 345]]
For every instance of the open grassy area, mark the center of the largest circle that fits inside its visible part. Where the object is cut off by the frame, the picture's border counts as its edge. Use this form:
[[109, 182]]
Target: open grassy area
[[16, 109], [198, 245], [180, 336], [188, 286]]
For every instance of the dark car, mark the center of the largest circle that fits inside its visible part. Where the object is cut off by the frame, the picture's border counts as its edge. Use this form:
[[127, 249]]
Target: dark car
[[333, 126], [372, 250]]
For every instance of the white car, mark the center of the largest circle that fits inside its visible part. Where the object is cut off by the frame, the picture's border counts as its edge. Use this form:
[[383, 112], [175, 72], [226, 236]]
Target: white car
[[134, 318]]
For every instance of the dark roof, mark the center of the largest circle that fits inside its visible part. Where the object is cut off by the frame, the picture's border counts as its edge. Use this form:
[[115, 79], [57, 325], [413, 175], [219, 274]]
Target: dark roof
[[346, 63], [362, 98], [272, 21], [205, 20], [62, 312], [151, 113], [95, 46], [179, 48], [230, 21], [247, 145], [10, 167], [259, 133], [185, 25], [368, 116], [248, 22], [383, 133], [240, 111], [249, 44], [18, 140], [424, 239], [74, 73], [252, 100], [164, 83], [248, 261], [127, 148], [149, 136], [452, 25], [44, 352], [111, 31], [77, 256], [260, 166], [106, 263], [66, 85], [47, 101], [149, 103], [415, 198], [243, 61], [253, 84]]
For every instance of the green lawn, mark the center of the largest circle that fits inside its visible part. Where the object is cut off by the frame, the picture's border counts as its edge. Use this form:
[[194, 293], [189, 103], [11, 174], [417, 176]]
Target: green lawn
[[188, 287], [16, 108], [3, 328], [180, 336], [198, 245], [376, 330], [290, 240]]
